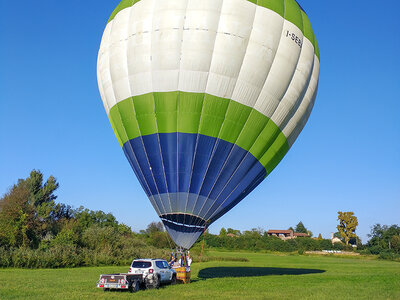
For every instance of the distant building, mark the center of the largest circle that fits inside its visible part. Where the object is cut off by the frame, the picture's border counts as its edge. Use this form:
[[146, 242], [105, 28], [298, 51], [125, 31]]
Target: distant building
[[286, 234], [231, 235], [335, 240], [299, 234]]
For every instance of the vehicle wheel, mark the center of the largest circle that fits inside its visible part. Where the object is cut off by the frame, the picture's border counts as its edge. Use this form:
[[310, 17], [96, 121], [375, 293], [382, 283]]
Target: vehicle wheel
[[135, 287], [106, 290], [154, 284], [173, 280], [157, 282]]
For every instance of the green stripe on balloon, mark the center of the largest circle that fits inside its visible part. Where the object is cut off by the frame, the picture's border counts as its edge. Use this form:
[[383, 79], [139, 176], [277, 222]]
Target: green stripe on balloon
[[309, 33], [122, 5], [293, 13], [307, 29], [316, 48], [200, 113]]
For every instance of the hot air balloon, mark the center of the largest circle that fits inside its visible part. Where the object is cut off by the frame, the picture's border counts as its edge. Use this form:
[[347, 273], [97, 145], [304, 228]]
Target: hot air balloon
[[205, 98]]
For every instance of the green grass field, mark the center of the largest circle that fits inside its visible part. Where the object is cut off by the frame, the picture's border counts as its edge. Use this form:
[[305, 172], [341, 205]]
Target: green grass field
[[265, 276]]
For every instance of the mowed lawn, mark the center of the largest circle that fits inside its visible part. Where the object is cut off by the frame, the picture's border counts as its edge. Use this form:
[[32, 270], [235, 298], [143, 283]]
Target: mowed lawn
[[265, 276]]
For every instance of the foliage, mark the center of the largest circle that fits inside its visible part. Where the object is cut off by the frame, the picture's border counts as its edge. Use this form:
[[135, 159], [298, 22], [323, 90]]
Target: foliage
[[233, 231], [387, 254], [256, 240], [337, 235], [39, 233], [72, 256], [384, 241], [19, 227], [42, 195], [301, 228], [347, 225], [395, 241]]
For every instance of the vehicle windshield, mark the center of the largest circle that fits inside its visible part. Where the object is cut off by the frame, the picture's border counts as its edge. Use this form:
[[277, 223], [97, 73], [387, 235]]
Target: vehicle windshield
[[141, 264]]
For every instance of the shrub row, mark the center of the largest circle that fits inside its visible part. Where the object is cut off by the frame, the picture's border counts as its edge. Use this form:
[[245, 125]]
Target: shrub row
[[262, 243], [70, 256]]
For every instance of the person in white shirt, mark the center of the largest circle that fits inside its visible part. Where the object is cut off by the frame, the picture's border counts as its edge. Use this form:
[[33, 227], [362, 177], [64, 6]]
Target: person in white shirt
[[189, 260]]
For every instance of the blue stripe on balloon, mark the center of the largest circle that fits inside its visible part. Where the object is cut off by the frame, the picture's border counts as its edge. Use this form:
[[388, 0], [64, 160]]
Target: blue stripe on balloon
[[186, 151], [221, 173], [204, 149], [248, 183], [169, 155]]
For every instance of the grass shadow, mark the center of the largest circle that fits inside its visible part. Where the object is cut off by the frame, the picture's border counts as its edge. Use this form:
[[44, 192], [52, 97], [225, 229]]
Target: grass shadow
[[220, 272]]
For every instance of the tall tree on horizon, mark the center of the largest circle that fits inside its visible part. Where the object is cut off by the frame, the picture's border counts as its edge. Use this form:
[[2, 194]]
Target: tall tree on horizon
[[300, 228], [28, 209], [347, 225]]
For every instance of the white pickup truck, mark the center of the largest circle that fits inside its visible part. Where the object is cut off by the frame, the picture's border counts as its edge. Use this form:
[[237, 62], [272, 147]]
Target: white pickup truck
[[148, 273]]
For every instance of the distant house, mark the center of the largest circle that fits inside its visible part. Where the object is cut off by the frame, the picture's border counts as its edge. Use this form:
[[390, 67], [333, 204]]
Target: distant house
[[286, 234], [231, 235], [335, 240], [299, 234]]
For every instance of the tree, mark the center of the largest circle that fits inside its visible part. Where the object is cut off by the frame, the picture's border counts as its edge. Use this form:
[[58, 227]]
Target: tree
[[222, 232], [381, 236], [28, 210], [86, 218], [347, 225], [291, 228], [301, 228], [154, 227], [233, 231], [395, 242], [337, 235], [42, 200], [42, 194], [259, 230], [17, 217], [319, 237]]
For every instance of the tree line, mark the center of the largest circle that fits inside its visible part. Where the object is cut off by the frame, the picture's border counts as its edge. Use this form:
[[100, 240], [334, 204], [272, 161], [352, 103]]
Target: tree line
[[38, 232], [384, 240], [259, 240]]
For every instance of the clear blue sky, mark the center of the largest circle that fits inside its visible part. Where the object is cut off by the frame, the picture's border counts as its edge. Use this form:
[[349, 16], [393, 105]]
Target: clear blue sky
[[347, 158]]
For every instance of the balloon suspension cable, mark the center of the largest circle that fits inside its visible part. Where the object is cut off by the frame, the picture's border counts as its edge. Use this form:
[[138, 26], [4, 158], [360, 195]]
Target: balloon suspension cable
[[202, 244]]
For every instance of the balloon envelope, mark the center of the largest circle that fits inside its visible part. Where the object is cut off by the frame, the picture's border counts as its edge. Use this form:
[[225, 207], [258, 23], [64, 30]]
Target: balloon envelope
[[205, 98]]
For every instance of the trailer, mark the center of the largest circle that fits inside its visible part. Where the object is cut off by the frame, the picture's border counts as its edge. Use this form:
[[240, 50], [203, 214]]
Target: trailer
[[121, 281]]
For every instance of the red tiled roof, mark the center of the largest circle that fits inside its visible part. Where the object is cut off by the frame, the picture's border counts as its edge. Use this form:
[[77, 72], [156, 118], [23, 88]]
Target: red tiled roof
[[279, 231], [301, 234]]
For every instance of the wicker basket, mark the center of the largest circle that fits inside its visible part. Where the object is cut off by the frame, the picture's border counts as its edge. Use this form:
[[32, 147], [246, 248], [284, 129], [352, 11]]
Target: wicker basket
[[183, 275]]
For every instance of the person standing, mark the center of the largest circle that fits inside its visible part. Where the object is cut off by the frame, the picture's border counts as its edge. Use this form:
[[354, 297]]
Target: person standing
[[189, 260]]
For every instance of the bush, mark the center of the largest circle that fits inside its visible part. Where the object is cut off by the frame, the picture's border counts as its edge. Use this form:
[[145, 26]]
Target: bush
[[338, 246], [377, 249], [71, 256], [389, 254]]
